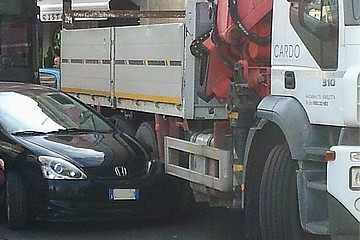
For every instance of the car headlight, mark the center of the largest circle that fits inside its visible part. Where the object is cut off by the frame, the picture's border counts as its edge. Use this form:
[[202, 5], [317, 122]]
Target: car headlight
[[58, 168]]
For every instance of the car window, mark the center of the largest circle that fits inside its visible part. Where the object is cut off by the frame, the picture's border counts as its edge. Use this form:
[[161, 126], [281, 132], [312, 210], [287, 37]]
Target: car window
[[46, 112]]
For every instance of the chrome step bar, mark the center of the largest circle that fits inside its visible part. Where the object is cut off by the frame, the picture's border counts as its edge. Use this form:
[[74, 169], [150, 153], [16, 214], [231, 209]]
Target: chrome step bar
[[201, 156]]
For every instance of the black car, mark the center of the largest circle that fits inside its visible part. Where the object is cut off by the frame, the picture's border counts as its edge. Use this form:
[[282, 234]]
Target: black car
[[64, 161]]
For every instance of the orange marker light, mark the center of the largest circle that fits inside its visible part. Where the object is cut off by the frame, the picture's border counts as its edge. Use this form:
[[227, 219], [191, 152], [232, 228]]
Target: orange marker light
[[330, 155]]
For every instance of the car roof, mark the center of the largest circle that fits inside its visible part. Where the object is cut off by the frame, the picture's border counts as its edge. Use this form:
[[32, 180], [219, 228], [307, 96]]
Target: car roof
[[18, 87]]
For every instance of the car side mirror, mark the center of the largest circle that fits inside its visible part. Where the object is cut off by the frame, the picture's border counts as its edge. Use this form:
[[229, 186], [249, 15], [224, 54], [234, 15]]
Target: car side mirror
[[2, 164]]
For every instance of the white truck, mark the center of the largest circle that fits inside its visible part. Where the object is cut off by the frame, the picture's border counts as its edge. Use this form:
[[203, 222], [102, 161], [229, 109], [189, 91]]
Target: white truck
[[255, 102]]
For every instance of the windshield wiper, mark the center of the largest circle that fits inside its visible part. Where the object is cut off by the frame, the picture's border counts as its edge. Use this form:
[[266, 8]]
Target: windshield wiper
[[28, 132], [73, 130]]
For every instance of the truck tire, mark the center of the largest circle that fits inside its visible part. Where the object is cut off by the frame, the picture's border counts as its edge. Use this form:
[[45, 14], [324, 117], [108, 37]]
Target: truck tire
[[146, 136], [183, 200], [124, 124], [16, 202], [177, 199], [177, 193], [278, 207]]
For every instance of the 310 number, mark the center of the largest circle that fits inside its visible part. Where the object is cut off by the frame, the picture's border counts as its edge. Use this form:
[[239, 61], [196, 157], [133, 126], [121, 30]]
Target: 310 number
[[329, 82]]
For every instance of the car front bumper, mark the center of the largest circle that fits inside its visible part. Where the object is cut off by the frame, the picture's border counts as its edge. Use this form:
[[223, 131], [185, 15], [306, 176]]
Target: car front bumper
[[73, 200]]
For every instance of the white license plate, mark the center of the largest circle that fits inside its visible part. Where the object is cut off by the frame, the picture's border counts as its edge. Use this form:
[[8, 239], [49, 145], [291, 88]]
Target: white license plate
[[123, 194]]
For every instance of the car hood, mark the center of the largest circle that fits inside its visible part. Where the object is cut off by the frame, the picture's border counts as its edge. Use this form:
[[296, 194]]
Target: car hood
[[88, 149]]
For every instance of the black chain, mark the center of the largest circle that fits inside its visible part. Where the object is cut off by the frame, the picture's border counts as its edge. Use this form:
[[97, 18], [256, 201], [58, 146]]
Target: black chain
[[197, 48]]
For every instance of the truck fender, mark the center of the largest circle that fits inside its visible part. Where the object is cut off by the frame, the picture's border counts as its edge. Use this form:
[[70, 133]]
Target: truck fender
[[290, 116], [280, 119]]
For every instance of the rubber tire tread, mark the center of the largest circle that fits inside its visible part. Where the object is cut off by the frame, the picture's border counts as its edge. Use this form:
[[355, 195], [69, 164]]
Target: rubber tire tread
[[3, 202], [124, 124], [16, 202], [278, 209], [146, 136]]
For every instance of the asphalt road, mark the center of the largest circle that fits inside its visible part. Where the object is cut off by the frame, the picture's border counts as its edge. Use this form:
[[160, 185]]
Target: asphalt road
[[204, 224]]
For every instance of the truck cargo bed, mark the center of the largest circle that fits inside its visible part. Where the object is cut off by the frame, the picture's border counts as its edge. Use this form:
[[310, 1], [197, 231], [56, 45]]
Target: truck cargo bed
[[142, 70]]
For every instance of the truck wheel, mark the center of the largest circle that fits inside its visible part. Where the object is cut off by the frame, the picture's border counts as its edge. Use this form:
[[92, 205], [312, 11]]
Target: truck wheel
[[146, 136], [177, 193], [16, 202], [178, 196], [124, 124], [279, 215], [175, 199]]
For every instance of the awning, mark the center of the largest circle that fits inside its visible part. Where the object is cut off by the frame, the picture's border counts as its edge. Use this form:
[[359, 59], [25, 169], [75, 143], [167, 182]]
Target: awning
[[51, 10]]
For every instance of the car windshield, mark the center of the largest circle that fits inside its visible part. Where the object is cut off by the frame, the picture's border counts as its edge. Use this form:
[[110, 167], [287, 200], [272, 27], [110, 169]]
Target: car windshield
[[37, 112]]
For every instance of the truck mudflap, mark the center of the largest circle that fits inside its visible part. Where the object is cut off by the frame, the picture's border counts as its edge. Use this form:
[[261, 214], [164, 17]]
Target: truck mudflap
[[343, 184], [204, 165]]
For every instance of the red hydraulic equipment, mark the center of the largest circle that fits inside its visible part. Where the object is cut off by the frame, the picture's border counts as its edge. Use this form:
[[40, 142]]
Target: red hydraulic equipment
[[239, 42]]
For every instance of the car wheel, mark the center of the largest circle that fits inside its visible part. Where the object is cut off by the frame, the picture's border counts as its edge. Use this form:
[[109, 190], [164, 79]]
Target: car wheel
[[2, 203], [279, 214], [16, 202]]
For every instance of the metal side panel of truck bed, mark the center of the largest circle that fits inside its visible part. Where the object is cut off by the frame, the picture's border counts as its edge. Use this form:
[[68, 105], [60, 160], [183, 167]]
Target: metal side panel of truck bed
[[136, 68]]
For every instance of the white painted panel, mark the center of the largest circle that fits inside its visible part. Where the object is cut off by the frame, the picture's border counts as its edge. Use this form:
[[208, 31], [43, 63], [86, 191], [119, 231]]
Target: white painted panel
[[163, 44]]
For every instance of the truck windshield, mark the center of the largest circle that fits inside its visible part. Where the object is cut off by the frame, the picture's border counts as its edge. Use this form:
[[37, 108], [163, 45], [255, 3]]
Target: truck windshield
[[18, 41], [352, 12]]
